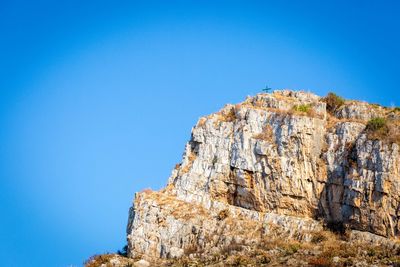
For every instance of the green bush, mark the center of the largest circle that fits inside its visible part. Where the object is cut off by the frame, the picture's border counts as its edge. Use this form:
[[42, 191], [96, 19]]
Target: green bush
[[376, 124], [291, 249], [384, 129], [333, 102], [302, 108], [379, 128], [371, 252]]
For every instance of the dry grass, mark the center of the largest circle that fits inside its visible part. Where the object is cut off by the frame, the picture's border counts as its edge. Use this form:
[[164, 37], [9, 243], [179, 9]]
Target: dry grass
[[282, 97], [258, 103], [202, 121], [180, 209], [146, 191], [332, 121], [320, 236], [234, 246], [377, 124], [297, 110], [300, 109], [185, 211], [275, 251], [190, 250], [223, 214], [393, 135], [177, 166], [168, 189], [191, 157], [98, 260], [320, 262], [284, 245], [239, 260], [266, 135], [384, 129], [305, 110], [227, 115]]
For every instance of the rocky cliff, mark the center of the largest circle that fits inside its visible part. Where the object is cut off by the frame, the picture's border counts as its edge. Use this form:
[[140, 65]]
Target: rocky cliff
[[281, 165]]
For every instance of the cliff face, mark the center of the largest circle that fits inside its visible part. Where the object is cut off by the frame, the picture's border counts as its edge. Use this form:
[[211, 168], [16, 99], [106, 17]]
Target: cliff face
[[277, 164]]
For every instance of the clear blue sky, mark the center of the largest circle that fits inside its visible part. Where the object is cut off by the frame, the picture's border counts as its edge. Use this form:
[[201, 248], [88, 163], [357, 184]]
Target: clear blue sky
[[98, 98]]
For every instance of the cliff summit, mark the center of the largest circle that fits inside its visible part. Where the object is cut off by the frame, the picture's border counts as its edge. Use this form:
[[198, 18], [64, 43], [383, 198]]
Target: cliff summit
[[283, 178]]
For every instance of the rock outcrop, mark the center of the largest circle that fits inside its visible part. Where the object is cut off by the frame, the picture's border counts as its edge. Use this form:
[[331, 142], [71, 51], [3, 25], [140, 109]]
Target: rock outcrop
[[276, 164]]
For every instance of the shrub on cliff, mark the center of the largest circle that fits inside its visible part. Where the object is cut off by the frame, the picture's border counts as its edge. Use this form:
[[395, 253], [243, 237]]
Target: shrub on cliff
[[384, 129], [98, 260], [304, 109], [333, 102], [376, 124], [378, 129]]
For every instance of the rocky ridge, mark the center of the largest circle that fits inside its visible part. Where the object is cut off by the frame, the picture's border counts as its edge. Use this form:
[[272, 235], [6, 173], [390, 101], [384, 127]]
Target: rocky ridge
[[280, 166]]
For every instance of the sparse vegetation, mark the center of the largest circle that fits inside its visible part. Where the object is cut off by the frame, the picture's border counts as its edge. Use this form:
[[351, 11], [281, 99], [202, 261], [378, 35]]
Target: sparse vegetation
[[98, 260], [222, 215], [146, 191], [304, 109], [376, 105], [238, 260], [333, 102], [191, 157], [377, 129], [320, 262], [234, 246], [227, 115], [177, 166], [263, 258], [371, 252], [319, 237], [384, 129], [291, 249], [202, 121], [190, 250], [327, 249], [377, 124], [238, 241], [266, 135]]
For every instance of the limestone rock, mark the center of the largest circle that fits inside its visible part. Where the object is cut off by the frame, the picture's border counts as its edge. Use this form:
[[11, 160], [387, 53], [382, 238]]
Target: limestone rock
[[141, 263], [266, 167]]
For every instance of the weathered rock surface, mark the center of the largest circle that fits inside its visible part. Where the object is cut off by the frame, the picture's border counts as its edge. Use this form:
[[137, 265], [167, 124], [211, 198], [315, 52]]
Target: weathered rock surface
[[263, 168]]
